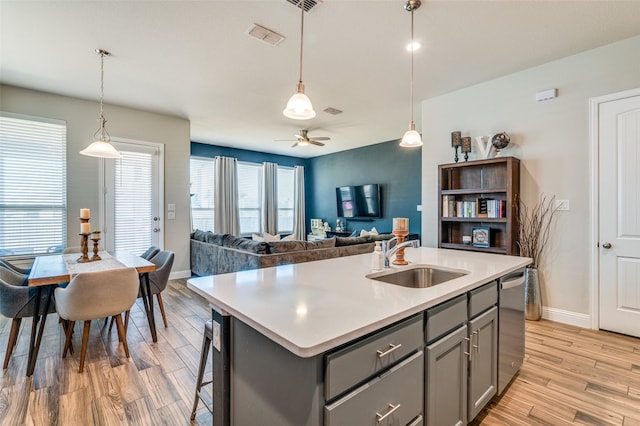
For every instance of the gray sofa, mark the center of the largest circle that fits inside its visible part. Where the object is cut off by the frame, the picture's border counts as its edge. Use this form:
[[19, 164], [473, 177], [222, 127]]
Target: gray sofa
[[213, 254]]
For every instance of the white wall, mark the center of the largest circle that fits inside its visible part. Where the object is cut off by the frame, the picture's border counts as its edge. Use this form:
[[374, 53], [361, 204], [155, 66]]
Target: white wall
[[552, 140], [82, 172]]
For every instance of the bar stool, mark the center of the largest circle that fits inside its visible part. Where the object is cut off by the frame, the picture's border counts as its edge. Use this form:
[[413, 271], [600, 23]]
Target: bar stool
[[204, 354]]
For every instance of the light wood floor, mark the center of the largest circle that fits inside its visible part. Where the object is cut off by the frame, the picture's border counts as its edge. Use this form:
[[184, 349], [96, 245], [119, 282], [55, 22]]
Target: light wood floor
[[570, 375]]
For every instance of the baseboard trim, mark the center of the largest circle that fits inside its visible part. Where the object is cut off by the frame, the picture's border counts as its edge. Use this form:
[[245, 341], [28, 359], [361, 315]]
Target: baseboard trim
[[175, 275], [567, 317]]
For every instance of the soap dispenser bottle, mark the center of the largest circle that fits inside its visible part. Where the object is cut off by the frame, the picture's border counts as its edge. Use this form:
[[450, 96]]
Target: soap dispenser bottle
[[378, 257]]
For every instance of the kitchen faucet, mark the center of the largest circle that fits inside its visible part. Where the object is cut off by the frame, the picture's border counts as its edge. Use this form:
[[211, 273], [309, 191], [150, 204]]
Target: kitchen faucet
[[388, 252]]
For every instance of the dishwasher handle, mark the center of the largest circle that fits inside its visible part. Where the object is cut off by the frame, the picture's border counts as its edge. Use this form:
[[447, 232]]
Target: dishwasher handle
[[512, 282]]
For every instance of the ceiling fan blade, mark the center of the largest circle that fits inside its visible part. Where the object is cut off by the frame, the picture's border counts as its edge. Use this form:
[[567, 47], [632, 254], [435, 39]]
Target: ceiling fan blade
[[316, 142], [285, 140], [322, 138]]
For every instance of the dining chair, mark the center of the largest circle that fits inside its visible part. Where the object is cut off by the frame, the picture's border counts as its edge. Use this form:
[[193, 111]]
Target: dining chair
[[72, 249], [13, 267], [150, 252], [12, 277], [94, 295], [17, 302], [159, 278]]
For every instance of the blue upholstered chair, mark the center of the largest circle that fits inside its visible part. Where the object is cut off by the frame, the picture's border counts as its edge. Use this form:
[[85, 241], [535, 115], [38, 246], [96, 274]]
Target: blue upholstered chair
[[17, 302], [150, 252]]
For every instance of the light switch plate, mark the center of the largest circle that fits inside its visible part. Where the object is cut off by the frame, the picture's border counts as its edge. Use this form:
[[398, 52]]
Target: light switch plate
[[419, 207], [171, 215], [562, 205], [171, 207]]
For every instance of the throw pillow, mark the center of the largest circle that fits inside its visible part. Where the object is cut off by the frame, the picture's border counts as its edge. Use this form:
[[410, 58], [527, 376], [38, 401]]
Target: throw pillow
[[256, 237], [365, 233], [291, 237], [354, 234], [268, 237]]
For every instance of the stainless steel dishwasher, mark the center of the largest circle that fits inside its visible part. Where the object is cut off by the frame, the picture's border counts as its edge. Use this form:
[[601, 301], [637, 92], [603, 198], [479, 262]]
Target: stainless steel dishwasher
[[511, 327]]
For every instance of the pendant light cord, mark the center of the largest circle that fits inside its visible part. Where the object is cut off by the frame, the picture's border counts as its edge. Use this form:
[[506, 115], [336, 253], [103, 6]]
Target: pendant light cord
[[412, 50], [301, 39]]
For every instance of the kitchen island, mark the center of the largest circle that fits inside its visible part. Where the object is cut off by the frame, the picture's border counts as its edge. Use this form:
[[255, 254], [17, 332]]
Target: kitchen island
[[278, 332]]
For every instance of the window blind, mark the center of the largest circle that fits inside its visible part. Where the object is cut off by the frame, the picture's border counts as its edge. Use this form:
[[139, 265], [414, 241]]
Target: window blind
[[133, 209], [33, 186], [202, 193]]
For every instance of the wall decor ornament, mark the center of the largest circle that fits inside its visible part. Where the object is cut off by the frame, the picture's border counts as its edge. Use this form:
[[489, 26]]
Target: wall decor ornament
[[484, 146], [456, 142], [500, 141], [466, 147]]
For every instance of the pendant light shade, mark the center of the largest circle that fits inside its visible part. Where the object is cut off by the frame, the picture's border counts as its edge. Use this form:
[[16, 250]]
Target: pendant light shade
[[101, 146], [411, 138], [299, 106]]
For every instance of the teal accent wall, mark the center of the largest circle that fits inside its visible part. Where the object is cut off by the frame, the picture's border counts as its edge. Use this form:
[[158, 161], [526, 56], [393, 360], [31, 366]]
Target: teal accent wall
[[397, 170]]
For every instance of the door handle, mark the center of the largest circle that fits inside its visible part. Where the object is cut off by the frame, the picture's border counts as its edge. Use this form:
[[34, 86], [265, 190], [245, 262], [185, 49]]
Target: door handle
[[156, 218], [156, 229], [606, 245]]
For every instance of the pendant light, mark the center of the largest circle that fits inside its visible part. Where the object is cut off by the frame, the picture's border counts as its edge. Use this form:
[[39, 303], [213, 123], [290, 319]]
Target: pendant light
[[101, 147], [411, 138], [299, 106]]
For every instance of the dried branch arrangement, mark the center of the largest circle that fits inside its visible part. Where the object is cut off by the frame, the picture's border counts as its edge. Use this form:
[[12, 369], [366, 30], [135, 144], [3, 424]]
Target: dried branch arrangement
[[534, 228]]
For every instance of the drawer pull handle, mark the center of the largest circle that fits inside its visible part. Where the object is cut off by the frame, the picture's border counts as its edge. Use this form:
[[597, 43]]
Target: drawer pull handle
[[392, 348], [469, 343], [392, 408], [477, 345]]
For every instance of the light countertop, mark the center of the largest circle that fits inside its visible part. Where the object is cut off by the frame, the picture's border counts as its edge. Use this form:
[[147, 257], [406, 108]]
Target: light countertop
[[312, 307]]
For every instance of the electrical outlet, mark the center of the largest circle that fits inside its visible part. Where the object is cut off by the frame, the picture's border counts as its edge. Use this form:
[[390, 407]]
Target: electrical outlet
[[419, 207], [562, 205]]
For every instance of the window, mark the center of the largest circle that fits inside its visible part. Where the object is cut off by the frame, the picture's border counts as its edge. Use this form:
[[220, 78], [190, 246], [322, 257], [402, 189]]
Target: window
[[250, 197], [286, 179], [202, 193], [33, 185]]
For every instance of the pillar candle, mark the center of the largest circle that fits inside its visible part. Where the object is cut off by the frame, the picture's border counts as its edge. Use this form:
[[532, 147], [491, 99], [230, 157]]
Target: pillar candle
[[84, 214], [85, 228], [400, 224]]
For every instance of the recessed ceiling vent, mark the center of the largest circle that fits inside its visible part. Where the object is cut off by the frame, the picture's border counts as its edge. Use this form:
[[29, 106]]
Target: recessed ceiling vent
[[308, 4], [265, 34], [332, 111]]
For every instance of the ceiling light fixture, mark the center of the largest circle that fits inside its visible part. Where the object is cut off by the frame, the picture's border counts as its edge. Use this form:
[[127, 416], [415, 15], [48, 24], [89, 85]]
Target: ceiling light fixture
[[411, 138], [101, 146], [299, 106]]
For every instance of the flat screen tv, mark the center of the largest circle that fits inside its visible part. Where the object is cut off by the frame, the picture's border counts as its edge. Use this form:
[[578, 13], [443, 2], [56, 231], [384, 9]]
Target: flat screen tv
[[359, 202]]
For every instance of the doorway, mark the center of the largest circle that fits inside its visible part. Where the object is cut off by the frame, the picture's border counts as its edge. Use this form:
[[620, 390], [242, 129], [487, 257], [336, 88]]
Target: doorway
[[132, 197], [616, 131]]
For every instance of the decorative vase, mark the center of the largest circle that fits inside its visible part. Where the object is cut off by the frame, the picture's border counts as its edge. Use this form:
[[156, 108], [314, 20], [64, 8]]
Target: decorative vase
[[532, 303]]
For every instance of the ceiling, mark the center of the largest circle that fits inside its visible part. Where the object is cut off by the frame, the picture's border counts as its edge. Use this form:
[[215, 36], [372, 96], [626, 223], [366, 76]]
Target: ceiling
[[195, 60]]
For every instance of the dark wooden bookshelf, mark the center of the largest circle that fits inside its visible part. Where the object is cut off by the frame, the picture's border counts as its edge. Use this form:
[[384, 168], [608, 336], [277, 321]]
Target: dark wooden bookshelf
[[493, 179]]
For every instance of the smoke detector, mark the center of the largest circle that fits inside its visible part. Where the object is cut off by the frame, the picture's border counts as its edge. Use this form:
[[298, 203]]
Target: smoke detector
[[265, 34]]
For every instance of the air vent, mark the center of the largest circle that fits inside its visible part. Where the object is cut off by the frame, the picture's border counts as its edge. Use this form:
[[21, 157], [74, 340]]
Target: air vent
[[332, 111], [265, 34], [308, 4]]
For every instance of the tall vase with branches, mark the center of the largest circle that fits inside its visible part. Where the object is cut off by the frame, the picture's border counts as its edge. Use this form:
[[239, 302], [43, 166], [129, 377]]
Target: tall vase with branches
[[533, 237]]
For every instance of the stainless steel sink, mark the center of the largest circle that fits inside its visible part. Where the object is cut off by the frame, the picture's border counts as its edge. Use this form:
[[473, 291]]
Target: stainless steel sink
[[418, 276]]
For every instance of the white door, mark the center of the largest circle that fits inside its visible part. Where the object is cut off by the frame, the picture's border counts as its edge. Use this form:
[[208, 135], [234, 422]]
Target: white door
[[619, 213], [132, 198]]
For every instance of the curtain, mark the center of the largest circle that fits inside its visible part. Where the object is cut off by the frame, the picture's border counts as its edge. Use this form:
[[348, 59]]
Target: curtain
[[227, 217], [270, 198], [299, 225]]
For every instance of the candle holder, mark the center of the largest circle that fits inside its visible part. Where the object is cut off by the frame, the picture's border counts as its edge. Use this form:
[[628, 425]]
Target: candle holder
[[84, 248], [456, 142], [399, 260], [466, 147], [95, 237]]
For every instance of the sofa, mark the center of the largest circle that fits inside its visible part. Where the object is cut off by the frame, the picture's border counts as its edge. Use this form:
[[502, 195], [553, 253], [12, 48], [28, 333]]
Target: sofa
[[213, 254]]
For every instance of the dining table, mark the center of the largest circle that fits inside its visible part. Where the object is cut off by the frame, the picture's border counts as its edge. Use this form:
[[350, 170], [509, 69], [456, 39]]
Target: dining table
[[49, 271]]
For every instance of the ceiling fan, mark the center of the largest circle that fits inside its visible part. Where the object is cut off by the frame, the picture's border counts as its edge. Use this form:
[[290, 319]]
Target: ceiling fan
[[303, 139]]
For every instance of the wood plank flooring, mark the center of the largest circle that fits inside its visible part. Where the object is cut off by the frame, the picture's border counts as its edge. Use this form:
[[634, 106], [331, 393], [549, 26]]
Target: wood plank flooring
[[570, 375]]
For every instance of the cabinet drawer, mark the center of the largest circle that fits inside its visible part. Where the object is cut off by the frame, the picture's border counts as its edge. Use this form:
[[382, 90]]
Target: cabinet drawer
[[445, 317], [483, 298], [356, 363], [398, 390]]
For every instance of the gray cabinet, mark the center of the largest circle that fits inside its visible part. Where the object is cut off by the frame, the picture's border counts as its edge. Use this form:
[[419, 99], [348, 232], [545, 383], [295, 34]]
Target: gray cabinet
[[393, 398], [461, 366], [446, 380], [483, 360]]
